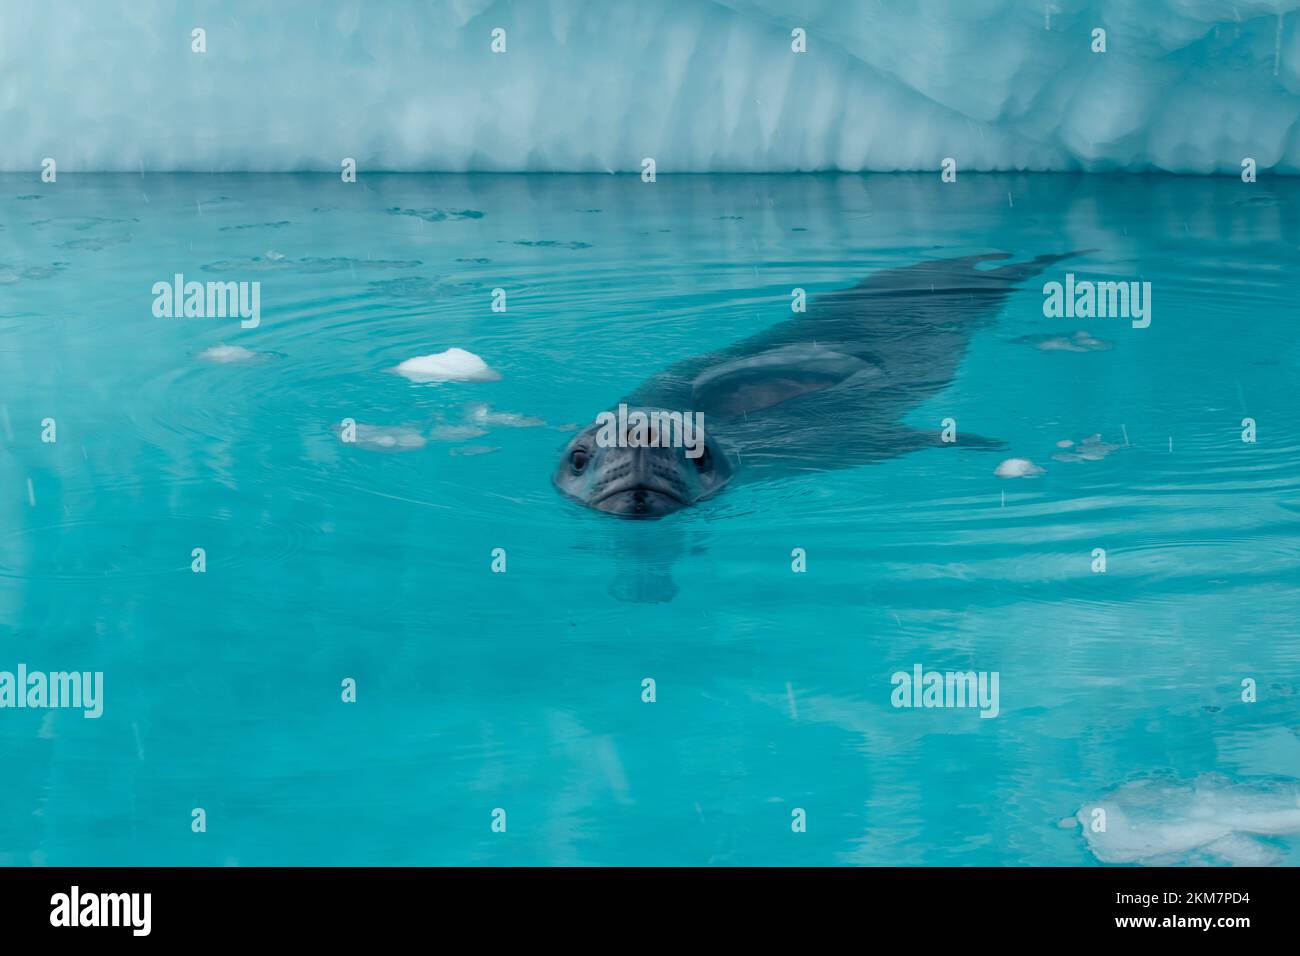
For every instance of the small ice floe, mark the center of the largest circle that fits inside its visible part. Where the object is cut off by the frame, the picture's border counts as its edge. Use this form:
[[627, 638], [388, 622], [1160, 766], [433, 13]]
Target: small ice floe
[[1081, 341], [384, 438], [229, 354], [453, 365], [481, 414], [1091, 448], [1018, 468], [1212, 820], [456, 432], [469, 451]]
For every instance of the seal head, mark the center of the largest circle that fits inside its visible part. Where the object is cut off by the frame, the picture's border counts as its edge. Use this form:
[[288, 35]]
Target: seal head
[[641, 475]]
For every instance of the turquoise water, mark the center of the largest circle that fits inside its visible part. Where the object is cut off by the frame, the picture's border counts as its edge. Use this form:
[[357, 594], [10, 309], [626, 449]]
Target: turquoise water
[[523, 690]]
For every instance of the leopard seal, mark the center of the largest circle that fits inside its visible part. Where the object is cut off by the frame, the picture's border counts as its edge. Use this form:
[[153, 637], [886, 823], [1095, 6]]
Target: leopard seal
[[827, 389]]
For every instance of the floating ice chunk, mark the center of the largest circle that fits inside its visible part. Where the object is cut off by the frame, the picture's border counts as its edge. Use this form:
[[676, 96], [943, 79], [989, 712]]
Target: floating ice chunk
[[453, 365], [1211, 820], [1091, 448], [1081, 341], [228, 354], [384, 438], [483, 415], [469, 451], [1018, 468]]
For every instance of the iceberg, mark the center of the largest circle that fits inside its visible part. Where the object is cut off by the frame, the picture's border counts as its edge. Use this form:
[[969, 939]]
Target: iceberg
[[1184, 86]]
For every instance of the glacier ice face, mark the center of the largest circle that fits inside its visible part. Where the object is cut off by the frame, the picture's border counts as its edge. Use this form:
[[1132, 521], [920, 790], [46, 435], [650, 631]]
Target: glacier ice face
[[1187, 86]]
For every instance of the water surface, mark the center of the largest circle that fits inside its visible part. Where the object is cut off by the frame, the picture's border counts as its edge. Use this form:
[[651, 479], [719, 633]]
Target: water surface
[[523, 690]]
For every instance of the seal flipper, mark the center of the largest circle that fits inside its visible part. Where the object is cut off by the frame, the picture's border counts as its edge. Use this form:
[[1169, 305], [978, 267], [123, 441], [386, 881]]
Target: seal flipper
[[808, 450], [903, 439], [735, 389]]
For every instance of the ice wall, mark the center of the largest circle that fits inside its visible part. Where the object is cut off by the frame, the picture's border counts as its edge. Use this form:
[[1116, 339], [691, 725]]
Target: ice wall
[[1188, 86]]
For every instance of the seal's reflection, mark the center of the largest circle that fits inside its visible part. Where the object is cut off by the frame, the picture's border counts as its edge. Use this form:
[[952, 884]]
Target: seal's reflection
[[641, 556]]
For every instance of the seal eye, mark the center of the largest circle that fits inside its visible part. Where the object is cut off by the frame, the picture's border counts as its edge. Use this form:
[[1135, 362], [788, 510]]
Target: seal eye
[[705, 461], [578, 459]]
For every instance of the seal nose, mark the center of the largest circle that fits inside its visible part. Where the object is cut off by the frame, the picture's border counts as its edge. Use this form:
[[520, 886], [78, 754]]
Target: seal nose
[[639, 504], [642, 466]]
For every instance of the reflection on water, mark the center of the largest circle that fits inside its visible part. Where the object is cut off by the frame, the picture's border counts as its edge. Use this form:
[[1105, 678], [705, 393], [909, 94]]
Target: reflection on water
[[523, 690]]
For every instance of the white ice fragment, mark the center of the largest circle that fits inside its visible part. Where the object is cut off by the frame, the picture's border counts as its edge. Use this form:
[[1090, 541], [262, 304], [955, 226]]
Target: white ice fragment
[[483, 415], [453, 365], [1018, 468], [456, 432], [227, 354], [1210, 820], [1091, 448], [384, 438]]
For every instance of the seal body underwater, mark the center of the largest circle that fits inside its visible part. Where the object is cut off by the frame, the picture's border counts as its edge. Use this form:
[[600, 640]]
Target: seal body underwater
[[825, 390]]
